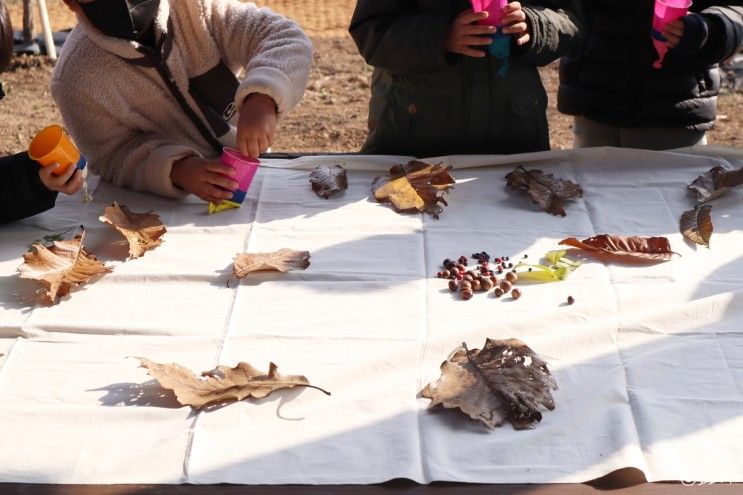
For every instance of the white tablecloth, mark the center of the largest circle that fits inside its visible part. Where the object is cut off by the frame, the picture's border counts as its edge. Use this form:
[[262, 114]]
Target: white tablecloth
[[649, 359]]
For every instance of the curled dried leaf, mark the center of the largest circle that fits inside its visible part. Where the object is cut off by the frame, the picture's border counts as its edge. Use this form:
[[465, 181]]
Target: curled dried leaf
[[715, 183], [61, 266], [544, 190], [222, 383], [327, 179], [415, 186], [628, 248], [504, 380], [283, 260], [696, 225], [143, 231]]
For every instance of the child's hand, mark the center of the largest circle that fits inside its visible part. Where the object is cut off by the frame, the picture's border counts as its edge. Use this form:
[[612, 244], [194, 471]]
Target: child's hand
[[464, 34], [256, 126], [515, 23], [204, 178], [673, 32], [69, 182]]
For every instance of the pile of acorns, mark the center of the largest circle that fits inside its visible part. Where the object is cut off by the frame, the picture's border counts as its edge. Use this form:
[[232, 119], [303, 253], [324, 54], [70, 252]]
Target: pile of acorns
[[483, 279]]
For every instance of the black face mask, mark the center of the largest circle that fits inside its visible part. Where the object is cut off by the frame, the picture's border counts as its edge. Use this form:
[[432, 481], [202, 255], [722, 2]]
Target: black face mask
[[127, 19]]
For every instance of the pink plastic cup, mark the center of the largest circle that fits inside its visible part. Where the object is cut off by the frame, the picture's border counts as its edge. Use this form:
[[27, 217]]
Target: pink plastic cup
[[494, 9], [245, 169], [665, 11]]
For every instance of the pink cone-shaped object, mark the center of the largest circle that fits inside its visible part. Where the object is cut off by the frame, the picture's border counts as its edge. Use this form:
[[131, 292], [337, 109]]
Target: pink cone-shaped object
[[665, 11], [494, 9]]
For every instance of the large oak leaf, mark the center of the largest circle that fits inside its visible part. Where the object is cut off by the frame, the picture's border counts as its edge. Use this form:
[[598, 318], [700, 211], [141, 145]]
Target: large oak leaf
[[283, 260], [544, 190], [415, 186], [504, 380], [222, 383], [327, 179], [143, 231], [61, 266], [628, 248]]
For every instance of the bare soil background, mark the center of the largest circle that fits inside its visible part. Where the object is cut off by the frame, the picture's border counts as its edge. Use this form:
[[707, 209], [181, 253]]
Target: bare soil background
[[332, 117]]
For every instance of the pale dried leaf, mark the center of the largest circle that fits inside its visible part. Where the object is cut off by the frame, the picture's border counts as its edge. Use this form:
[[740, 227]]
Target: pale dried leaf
[[634, 248], [460, 386], [696, 225], [415, 186], [283, 260], [61, 266], [143, 231], [327, 179], [544, 190], [221, 384], [504, 380]]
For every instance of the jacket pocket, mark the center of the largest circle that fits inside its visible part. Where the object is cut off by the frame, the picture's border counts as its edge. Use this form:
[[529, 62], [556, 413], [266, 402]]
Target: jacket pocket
[[417, 121], [526, 129]]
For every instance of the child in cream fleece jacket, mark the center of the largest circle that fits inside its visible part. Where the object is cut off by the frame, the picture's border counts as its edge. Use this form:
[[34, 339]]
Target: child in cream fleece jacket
[[148, 88]]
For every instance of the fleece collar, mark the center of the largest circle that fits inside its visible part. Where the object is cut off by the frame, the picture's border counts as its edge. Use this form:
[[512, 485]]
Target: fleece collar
[[125, 48]]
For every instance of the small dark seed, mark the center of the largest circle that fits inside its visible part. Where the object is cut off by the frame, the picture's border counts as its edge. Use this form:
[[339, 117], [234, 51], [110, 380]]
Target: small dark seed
[[571, 300], [529, 269]]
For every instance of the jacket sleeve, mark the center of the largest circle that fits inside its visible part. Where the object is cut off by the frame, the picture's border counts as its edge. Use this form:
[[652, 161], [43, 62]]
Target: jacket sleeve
[[22, 194], [391, 35], [725, 32], [273, 51], [555, 28], [117, 151]]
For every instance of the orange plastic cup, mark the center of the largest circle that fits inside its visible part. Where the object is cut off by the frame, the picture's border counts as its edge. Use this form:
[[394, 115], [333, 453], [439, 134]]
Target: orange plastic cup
[[53, 145]]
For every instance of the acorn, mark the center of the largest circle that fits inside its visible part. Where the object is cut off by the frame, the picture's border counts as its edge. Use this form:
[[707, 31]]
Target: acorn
[[515, 293], [466, 294], [494, 279], [498, 292], [486, 284], [476, 285], [505, 286], [465, 285], [453, 285], [512, 277]]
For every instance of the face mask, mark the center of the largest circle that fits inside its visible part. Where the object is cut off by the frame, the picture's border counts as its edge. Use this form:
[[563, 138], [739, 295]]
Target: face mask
[[126, 19]]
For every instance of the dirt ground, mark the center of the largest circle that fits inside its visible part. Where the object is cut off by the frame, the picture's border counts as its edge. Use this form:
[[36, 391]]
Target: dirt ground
[[332, 117]]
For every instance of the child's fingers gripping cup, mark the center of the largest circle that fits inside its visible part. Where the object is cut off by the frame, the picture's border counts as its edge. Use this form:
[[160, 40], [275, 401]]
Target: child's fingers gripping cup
[[245, 169], [53, 146]]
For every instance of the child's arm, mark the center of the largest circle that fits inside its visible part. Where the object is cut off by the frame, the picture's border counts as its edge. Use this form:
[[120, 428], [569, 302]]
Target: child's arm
[[22, 193], [709, 35], [391, 35], [274, 52], [554, 29], [276, 57]]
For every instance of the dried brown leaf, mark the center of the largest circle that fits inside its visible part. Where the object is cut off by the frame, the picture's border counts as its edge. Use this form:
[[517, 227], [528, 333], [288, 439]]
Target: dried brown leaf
[[415, 186], [504, 380], [696, 225], [544, 190], [327, 179], [283, 260], [143, 231], [61, 266], [715, 183], [628, 248], [222, 383]]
